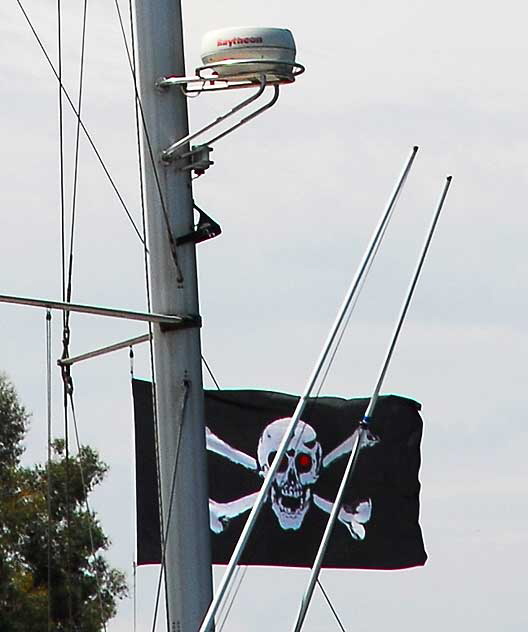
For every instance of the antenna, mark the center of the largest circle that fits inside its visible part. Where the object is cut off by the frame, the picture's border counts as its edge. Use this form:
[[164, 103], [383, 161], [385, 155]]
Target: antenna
[[233, 58]]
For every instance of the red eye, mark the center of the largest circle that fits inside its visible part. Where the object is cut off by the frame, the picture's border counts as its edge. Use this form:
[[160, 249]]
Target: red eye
[[304, 462]]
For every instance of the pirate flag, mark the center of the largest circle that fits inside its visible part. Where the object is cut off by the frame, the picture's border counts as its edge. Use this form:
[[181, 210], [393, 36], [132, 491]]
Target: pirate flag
[[377, 526]]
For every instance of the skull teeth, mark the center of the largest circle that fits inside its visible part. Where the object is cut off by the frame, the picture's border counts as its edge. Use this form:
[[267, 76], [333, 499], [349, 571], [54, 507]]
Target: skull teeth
[[294, 491], [283, 504], [290, 499]]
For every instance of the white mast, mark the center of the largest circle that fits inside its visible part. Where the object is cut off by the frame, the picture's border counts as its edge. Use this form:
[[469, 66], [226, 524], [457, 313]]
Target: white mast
[[178, 375]]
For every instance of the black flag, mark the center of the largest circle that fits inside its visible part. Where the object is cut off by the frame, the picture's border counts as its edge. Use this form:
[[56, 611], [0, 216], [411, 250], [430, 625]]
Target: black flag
[[147, 498], [377, 527]]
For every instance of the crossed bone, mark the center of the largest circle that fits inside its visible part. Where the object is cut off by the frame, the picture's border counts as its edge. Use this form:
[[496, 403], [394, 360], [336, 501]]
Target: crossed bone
[[353, 518]]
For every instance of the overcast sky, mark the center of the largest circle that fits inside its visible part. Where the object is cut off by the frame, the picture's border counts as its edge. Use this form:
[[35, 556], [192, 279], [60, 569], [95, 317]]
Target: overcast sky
[[298, 193]]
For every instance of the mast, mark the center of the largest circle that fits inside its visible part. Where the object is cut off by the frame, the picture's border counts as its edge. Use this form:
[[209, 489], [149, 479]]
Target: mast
[[178, 378]]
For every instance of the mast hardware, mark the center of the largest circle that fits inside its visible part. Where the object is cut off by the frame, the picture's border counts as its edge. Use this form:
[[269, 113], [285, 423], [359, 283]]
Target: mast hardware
[[165, 321], [199, 159], [125, 344], [209, 80], [191, 321], [174, 151], [232, 58], [205, 229]]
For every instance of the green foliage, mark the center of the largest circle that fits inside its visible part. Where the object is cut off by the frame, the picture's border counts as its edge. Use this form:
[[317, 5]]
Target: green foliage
[[13, 423], [84, 589]]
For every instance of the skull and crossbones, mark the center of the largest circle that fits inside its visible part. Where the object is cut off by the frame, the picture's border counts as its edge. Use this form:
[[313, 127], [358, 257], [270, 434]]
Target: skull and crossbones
[[291, 493]]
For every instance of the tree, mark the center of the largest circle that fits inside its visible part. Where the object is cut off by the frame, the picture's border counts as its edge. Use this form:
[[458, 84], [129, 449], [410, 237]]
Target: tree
[[83, 592], [13, 425]]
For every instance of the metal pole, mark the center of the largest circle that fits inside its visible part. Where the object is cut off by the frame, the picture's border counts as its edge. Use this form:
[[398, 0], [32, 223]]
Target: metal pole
[[124, 344], [112, 312], [316, 568], [262, 495], [405, 306], [188, 577]]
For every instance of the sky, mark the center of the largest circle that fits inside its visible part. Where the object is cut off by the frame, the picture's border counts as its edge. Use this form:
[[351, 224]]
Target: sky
[[297, 193]]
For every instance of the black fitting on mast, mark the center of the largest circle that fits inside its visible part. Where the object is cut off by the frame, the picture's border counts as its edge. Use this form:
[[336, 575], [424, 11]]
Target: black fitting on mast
[[206, 229], [189, 321]]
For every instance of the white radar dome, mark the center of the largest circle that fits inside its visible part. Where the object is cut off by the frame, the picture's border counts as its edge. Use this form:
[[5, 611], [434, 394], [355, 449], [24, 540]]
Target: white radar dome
[[230, 52]]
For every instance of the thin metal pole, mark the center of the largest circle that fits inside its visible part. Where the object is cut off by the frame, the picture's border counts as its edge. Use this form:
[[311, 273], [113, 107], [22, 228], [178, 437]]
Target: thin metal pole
[[405, 306], [177, 354], [262, 495], [316, 568], [307, 597], [249, 117], [125, 344], [112, 312]]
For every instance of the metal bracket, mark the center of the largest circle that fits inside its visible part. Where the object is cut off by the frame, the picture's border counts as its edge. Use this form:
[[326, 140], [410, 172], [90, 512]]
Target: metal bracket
[[125, 344], [187, 322], [172, 152], [206, 229], [172, 321], [209, 78], [250, 117], [199, 159]]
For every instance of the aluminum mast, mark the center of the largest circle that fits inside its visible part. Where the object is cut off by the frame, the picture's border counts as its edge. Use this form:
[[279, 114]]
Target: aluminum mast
[[178, 376]]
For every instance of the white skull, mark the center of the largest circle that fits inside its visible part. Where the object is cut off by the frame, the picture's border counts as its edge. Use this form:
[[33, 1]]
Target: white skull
[[291, 489]]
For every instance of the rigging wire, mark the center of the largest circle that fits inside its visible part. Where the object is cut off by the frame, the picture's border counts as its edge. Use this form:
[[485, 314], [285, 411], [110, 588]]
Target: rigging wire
[[211, 374], [139, 108], [339, 623], [237, 580], [66, 386], [48, 465], [346, 323], [76, 155], [61, 148], [240, 572], [132, 60], [137, 105], [88, 509], [230, 599], [134, 564], [352, 307], [65, 322], [333, 354], [165, 528], [344, 328], [83, 127], [160, 499]]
